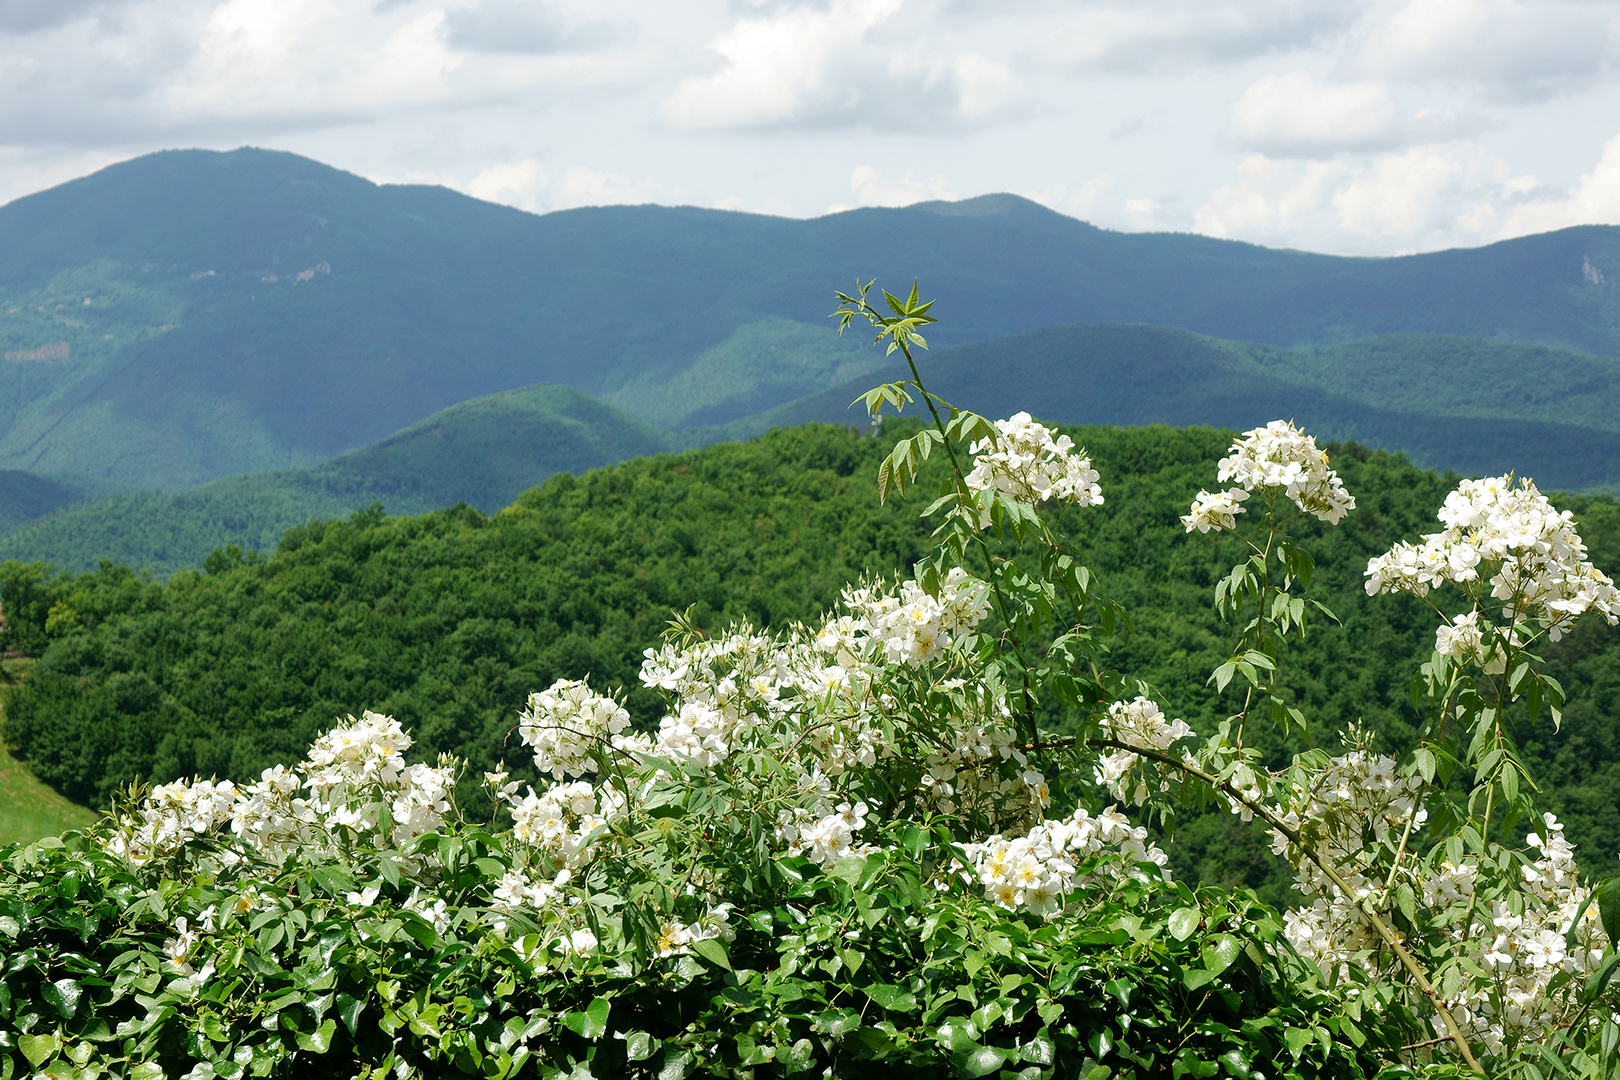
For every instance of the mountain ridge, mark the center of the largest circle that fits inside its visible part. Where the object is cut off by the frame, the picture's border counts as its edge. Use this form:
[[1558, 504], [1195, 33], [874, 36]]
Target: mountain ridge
[[253, 309]]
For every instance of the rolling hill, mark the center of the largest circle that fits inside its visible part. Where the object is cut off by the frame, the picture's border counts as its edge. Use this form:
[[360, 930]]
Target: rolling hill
[[483, 452], [189, 315]]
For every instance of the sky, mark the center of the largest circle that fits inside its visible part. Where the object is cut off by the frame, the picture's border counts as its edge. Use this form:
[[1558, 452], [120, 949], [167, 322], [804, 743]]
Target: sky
[[1374, 128]]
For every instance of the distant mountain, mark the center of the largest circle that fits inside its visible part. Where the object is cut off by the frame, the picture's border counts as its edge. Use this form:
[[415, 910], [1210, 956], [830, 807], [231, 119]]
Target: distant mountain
[[189, 315], [484, 452], [1450, 403]]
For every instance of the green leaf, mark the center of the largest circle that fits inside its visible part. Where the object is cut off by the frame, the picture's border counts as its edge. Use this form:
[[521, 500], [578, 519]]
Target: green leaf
[[713, 951], [318, 1041], [146, 1070], [980, 1061], [837, 1022], [591, 1022], [348, 1010], [63, 996], [639, 1046], [850, 869], [1220, 952], [1608, 899], [1184, 922], [36, 1048], [892, 998], [1296, 1038]]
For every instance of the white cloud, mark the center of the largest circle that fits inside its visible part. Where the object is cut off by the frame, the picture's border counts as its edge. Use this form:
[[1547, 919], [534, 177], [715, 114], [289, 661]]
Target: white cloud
[[527, 186], [1295, 115], [523, 26], [1081, 202], [1595, 200], [1511, 49], [1155, 35], [522, 184], [807, 67], [871, 188], [1426, 197]]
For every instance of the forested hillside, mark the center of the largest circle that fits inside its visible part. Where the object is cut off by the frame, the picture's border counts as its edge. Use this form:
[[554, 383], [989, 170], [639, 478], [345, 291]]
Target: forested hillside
[[190, 314], [483, 452], [450, 619]]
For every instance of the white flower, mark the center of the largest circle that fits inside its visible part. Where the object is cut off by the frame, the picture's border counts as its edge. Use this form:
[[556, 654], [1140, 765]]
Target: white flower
[[1277, 456], [1025, 462], [1215, 511], [567, 724]]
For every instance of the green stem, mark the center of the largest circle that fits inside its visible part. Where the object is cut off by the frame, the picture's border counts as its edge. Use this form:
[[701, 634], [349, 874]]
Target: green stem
[[965, 500]]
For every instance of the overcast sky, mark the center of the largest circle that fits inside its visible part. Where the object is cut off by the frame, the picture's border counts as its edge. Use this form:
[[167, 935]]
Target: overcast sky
[[1359, 128]]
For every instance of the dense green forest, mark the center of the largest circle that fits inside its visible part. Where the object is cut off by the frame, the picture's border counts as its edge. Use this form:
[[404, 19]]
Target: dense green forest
[[448, 620]]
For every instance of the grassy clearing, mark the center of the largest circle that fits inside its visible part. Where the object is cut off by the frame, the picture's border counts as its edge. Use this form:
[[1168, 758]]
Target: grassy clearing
[[29, 809]]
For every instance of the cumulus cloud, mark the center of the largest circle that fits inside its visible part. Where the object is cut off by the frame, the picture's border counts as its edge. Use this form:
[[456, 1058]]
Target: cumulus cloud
[[526, 185], [1080, 201], [871, 188], [1422, 198], [824, 67], [1595, 200], [1295, 115], [1512, 50]]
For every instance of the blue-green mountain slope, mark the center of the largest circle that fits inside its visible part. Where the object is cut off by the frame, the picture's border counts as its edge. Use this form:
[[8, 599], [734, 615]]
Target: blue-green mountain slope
[[191, 314], [1462, 404], [483, 452]]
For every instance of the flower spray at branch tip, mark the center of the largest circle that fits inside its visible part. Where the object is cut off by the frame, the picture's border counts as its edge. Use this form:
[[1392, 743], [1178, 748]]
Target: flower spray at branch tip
[[1028, 464], [1276, 457], [1535, 560]]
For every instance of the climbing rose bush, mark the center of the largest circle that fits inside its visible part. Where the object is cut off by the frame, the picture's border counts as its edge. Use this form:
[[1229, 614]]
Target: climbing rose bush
[[922, 836]]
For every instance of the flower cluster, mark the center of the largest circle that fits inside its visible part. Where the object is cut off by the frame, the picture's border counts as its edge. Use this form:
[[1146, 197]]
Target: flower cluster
[[560, 820], [824, 837], [676, 938], [1038, 871], [1510, 537], [172, 816], [1526, 975], [566, 724], [1276, 457], [1136, 723], [1026, 463], [913, 627], [354, 780]]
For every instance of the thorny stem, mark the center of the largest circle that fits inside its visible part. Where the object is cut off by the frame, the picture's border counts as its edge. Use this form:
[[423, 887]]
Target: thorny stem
[[1385, 931]]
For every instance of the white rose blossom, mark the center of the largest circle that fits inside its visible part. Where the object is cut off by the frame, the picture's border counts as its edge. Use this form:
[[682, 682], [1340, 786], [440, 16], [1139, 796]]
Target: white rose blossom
[[1027, 463], [1277, 457]]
